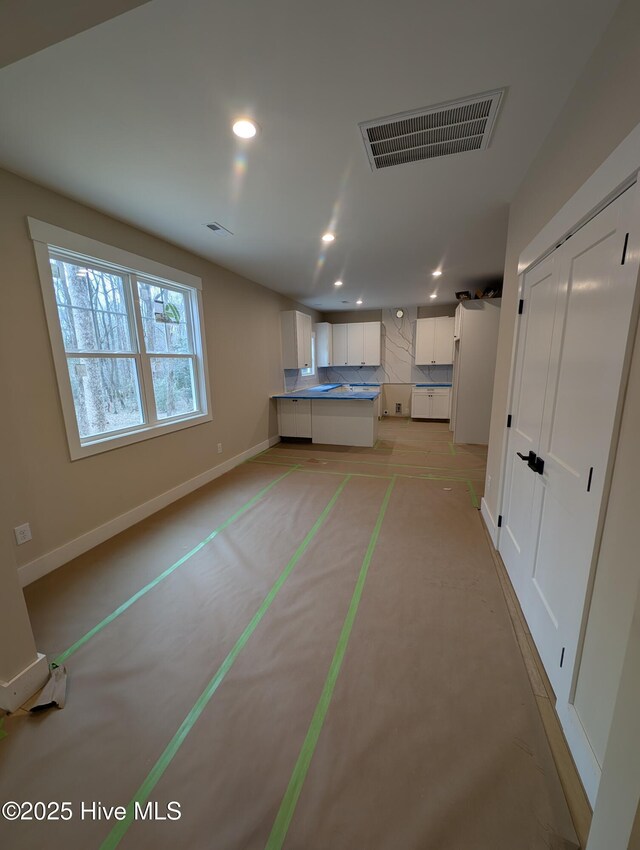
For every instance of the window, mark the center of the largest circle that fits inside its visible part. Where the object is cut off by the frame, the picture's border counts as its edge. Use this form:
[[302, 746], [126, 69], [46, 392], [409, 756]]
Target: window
[[311, 370], [127, 339]]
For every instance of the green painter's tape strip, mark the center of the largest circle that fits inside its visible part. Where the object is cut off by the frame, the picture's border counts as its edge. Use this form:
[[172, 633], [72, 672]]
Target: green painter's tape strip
[[374, 463], [452, 448], [60, 659], [143, 792], [472, 493], [3, 731], [290, 799]]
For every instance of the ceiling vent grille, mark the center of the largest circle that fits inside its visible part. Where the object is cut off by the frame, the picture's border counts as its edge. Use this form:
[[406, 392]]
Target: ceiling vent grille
[[442, 130]]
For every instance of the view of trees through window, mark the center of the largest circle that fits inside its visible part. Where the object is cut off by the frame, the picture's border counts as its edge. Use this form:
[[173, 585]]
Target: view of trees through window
[[114, 338]]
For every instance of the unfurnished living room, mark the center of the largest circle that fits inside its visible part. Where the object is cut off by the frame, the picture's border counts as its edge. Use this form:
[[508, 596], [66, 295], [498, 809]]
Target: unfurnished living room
[[320, 391]]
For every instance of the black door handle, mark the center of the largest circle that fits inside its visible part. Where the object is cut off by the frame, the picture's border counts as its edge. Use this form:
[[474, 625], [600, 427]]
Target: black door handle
[[533, 462]]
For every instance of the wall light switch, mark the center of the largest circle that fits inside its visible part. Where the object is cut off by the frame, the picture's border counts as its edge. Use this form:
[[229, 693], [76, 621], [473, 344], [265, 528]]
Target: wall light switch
[[219, 448], [22, 533]]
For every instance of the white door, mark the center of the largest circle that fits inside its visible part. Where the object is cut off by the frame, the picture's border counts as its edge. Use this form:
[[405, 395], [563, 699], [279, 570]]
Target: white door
[[340, 345], [371, 343], [540, 294], [355, 344], [443, 344], [578, 305]]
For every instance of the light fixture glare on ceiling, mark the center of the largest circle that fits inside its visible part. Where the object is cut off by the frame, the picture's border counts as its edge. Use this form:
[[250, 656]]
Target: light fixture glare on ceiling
[[245, 129], [328, 237], [338, 283], [433, 295], [359, 301], [436, 273]]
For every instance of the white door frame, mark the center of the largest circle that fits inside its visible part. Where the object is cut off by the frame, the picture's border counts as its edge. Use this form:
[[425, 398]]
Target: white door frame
[[617, 173]]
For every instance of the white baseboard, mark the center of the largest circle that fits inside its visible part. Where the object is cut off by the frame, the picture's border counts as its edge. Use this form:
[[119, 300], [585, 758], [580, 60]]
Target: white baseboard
[[489, 521], [63, 554], [22, 687]]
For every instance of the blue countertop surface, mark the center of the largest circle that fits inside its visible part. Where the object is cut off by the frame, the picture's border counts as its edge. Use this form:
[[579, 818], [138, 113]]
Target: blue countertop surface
[[433, 385], [333, 391]]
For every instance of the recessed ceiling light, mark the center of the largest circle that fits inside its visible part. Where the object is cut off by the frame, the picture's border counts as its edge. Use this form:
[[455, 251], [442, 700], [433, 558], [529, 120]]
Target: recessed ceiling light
[[359, 301], [245, 129], [338, 283], [433, 295], [436, 273], [328, 237]]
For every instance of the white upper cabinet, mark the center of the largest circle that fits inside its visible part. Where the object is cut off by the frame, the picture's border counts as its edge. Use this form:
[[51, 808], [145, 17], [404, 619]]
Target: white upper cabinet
[[371, 348], [357, 344], [296, 340], [434, 341], [340, 345], [324, 344]]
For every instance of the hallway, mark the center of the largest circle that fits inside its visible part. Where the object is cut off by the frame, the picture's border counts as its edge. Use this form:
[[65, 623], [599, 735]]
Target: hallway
[[313, 651]]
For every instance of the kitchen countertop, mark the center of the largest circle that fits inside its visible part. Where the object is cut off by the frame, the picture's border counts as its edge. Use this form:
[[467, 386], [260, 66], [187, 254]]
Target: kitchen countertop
[[332, 391]]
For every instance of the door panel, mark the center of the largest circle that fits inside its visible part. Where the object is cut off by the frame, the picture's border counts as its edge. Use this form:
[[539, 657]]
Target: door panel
[[587, 358], [540, 292], [355, 343], [425, 341], [440, 405], [340, 345], [371, 343]]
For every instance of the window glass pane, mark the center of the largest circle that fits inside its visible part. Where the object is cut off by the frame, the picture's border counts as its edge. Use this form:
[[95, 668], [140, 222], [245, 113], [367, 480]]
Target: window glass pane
[[92, 308], [173, 385], [106, 394], [164, 319]]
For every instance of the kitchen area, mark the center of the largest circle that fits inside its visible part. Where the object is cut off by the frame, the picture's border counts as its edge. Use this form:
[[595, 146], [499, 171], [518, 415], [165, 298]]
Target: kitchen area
[[342, 376]]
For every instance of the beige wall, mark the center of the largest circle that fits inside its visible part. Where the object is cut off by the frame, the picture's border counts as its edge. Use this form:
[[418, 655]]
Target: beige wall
[[598, 115], [345, 316], [428, 312], [61, 499]]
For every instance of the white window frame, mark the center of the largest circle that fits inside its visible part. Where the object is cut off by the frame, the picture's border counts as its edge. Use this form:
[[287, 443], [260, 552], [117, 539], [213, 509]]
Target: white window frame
[[49, 239]]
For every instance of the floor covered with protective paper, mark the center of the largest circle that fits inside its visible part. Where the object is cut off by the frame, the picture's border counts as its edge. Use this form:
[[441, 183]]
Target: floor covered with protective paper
[[311, 652]]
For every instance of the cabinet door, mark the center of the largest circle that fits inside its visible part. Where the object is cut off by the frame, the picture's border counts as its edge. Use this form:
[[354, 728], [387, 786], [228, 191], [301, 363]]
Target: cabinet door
[[287, 417], [340, 345], [443, 344], [425, 340], [440, 404], [420, 406], [303, 327], [324, 347], [371, 343], [355, 344], [303, 417]]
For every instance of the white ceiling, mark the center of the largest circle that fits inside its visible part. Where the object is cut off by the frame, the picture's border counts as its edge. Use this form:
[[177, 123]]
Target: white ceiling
[[133, 117]]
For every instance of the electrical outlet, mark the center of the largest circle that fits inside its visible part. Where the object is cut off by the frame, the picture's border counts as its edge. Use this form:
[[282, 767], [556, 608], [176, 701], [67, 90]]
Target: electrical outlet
[[219, 448], [22, 533], [398, 407], [488, 483]]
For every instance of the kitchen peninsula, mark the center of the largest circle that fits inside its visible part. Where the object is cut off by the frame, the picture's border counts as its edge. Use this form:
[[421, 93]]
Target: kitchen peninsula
[[331, 414]]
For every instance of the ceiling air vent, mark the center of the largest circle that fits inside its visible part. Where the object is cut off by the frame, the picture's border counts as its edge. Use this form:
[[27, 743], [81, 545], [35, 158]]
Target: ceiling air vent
[[447, 128], [218, 229]]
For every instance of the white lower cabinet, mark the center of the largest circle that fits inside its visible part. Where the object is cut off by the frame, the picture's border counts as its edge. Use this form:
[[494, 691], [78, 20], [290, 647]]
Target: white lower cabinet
[[294, 417], [430, 403]]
